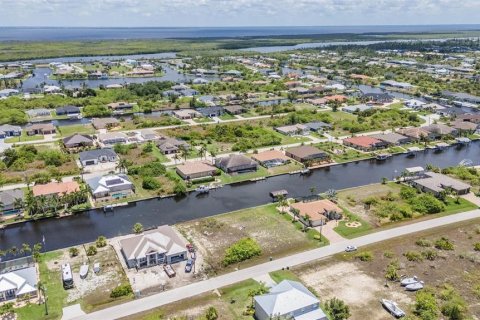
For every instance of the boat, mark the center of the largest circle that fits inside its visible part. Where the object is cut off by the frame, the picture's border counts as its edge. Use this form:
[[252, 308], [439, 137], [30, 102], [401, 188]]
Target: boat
[[441, 146], [407, 281], [305, 171], [84, 271], [203, 189], [412, 151], [393, 308], [414, 286], [462, 141], [383, 156], [108, 208]]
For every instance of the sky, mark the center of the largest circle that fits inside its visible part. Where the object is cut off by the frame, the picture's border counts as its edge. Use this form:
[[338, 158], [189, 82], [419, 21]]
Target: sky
[[218, 13]]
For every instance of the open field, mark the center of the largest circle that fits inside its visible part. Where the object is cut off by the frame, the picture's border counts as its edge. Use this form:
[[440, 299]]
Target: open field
[[24, 138], [65, 131], [274, 232]]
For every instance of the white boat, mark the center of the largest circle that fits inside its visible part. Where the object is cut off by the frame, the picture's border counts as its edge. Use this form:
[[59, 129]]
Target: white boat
[[414, 286], [84, 271], [408, 281], [383, 156], [305, 171], [203, 189], [393, 308], [108, 208]]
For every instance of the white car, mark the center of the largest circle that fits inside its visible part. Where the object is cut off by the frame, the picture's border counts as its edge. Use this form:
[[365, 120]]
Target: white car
[[350, 249]]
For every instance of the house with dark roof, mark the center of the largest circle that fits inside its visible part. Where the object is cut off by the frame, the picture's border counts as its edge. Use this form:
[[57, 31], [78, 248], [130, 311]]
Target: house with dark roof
[[171, 145], [78, 140], [292, 130], [305, 154], [120, 106], [67, 111], [8, 130], [234, 109], [10, 200], [154, 247], [378, 98], [93, 157], [318, 126], [211, 112], [236, 163]]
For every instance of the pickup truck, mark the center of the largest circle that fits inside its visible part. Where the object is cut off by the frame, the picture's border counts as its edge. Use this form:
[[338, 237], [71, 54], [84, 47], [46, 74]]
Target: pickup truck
[[169, 271]]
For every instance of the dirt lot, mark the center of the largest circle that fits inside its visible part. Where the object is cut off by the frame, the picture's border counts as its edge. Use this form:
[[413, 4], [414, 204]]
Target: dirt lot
[[276, 235], [94, 291], [362, 284]]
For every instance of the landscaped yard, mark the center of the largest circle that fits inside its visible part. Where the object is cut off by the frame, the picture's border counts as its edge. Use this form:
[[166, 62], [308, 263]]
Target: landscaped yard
[[275, 234], [341, 154]]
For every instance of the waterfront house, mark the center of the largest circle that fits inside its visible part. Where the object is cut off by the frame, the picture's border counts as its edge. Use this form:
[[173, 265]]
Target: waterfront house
[[38, 113], [377, 98], [184, 114], [8, 130], [40, 128], [475, 118], [9, 200], [392, 138], [210, 112], [439, 130], [55, 188], [236, 163], [318, 211], [18, 284], [365, 143], [120, 106], [78, 140], [271, 158], [416, 133], [465, 126], [436, 183], [305, 154], [71, 111], [195, 170], [105, 123], [93, 157], [288, 300], [338, 98], [8, 92], [111, 138], [111, 187], [171, 145], [292, 130], [154, 247], [396, 84], [234, 109]]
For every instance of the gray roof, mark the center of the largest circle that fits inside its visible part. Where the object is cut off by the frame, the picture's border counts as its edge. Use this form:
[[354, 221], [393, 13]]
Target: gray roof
[[439, 128], [286, 297], [316, 125], [359, 107], [438, 182], [235, 160], [391, 137], [78, 139], [8, 197], [166, 144], [9, 127], [95, 154]]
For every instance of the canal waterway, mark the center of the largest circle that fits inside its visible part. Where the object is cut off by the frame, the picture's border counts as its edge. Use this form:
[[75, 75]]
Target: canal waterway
[[86, 227]]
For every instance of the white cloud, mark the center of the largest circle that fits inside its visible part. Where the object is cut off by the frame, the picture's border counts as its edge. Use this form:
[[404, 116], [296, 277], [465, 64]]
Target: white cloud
[[235, 12]]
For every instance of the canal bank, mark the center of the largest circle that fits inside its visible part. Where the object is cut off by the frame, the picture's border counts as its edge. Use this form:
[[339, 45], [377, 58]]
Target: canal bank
[[86, 227]]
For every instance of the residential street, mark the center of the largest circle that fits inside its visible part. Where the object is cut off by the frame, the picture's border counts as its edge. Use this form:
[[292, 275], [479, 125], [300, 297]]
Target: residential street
[[197, 288]]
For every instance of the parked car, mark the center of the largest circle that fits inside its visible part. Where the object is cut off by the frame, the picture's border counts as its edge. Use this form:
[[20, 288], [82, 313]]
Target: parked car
[[189, 265], [169, 271], [350, 249]]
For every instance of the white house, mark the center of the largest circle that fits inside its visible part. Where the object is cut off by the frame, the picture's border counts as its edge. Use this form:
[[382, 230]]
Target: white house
[[153, 247], [288, 300], [111, 187], [93, 157], [18, 284]]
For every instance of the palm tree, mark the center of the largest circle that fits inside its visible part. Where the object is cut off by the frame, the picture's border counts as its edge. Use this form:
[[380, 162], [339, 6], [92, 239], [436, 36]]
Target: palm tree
[[183, 152], [18, 203], [282, 202], [26, 248], [203, 151], [122, 165]]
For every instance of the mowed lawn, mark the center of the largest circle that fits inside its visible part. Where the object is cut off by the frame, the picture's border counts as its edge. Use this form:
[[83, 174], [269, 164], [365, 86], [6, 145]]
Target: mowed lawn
[[275, 234]]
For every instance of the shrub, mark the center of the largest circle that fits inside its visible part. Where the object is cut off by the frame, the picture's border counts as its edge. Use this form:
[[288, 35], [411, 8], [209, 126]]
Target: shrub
[[427, 204], [407, 193], [150, 183], [364, 256], [426, 307], [392, 271], [211, 314], [476, 246], [179, 189], [430, 254], [413, 256], [137, 228], [73, 252], [453, 306], [388, 254], [121, 291], [337, 309], [101, 242], [241, 250], [423, 242], [444, 244], [91, 251]]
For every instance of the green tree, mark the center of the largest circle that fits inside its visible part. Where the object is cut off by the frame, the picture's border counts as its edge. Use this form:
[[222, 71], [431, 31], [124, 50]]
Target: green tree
[[101, 242], [73, 252], [137, 228], [91, 251], [211, 314], [337, 309]]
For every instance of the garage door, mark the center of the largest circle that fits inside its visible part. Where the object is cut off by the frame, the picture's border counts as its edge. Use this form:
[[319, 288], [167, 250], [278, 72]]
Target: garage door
[[90, 162]]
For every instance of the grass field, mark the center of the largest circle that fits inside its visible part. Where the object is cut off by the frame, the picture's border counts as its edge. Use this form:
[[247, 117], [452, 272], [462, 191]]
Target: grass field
[[23, 138], [65, 131]]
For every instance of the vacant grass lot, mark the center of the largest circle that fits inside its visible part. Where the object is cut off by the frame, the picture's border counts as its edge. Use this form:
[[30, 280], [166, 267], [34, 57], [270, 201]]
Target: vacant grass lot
[[23, 138], [341, 154], [65, 131], [274, 232]]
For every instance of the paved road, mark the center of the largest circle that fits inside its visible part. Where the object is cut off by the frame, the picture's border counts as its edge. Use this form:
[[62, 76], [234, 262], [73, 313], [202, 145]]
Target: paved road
[[197, 288]]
